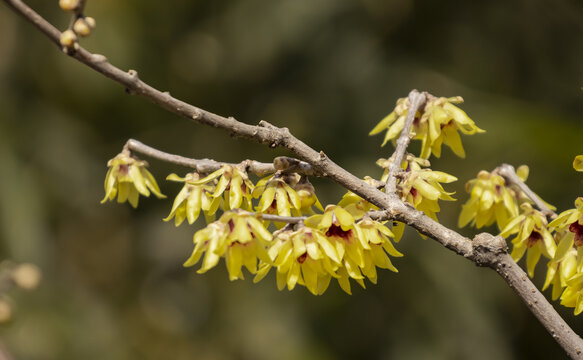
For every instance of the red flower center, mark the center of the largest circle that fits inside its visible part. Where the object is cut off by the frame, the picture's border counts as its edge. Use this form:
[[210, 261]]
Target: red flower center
[[335, 230], [578, 230], [533, 238]]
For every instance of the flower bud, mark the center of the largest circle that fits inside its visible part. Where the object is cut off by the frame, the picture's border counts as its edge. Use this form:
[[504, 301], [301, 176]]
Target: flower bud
[[26, 276], [81, 27], [68, 38], [68, 5], [5, 311]]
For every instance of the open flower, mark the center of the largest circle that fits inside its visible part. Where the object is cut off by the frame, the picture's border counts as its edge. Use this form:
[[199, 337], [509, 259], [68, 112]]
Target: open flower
[[436, 124], [532, 237], [490, 200], [233, 189], [277, 196], [357, 244], [127, 178], [305, 257], [191, 199], [238, 237]]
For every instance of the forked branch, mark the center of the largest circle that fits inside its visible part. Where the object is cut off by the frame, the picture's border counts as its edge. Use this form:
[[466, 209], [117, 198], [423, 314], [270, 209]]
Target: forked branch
[[485, 250]]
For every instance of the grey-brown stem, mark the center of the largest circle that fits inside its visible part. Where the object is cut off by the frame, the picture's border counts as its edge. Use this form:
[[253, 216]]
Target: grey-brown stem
[[416, 100], [509, 174]]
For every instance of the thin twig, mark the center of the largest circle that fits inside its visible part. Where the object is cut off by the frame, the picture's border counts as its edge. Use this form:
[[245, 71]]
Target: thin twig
[[416, 100], [203, 166], [509, 174], [274, 136], [283, 219]]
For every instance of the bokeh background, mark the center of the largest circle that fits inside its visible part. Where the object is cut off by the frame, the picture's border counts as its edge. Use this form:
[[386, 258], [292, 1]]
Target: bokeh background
[[113, 285]]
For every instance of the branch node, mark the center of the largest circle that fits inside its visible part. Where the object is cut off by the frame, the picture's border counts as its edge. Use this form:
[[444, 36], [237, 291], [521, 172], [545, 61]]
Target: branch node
[[487, 248], [197, 114], [133, 74], [98, 58]]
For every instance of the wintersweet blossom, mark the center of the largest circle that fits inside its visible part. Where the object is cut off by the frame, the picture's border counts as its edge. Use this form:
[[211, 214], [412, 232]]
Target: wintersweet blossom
[[302, 257], [127, 178], [532, 237], [437, 123], [233, 189], [191, 200], [238, 237]]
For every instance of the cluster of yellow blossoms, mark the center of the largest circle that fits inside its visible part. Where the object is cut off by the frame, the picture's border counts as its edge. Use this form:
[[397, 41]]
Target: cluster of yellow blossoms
[[560, 241], [311, 245], [436, 124]]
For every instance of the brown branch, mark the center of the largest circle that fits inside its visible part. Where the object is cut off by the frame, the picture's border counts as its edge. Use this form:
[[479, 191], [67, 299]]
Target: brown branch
[[509, 174], [416, 100], [203, 166], [487, 252]]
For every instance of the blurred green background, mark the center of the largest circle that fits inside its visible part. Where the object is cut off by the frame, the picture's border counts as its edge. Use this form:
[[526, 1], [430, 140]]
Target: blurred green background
[[113, 285]]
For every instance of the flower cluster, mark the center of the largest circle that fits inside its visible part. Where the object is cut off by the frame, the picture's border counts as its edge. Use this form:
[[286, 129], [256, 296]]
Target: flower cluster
[[127, 178], [233, 189], [491, 200], [436, 124], [238, 237]]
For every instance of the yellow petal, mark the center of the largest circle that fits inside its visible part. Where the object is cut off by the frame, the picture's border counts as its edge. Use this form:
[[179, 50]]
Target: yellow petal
[[384, 123], [578, 163]]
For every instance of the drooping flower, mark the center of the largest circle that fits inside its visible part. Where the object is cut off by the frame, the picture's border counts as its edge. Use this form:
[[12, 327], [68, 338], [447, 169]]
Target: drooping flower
[[308, 198], [435, 124], [418, 186], [532, 237], [238, 237], [277, 196], [233, 189], [490, 200], [563, 266], [191, 200], [305, 257], [127, 178], [357, 245]]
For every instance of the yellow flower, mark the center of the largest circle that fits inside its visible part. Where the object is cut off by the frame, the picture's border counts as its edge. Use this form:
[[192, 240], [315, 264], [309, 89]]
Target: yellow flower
[[308, 198], [127, 178], [356, 205], [573, 294], [238, 237], [563, 266], [356, 245], [232, 191], [435, 124], [533, 237], [305, 257], [191, 200], [490, 200], [277, 196], [578, 163]]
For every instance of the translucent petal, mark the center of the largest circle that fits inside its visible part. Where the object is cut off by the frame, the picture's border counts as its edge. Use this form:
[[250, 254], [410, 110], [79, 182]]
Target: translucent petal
[[133, 196], [532, 257], [293, 275], [262, 272], [123, 191], [395, 129], [210, 177], [310, 277], [234, 260], [182, 195], [266, 198], [453, 140], [282, 202], [151, 183], [139, 182], [193, 204], [235, 192], [384, 123]]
